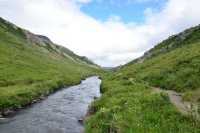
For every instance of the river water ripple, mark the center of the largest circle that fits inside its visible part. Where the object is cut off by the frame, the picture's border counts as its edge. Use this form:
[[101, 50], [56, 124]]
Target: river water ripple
[[59, 113]]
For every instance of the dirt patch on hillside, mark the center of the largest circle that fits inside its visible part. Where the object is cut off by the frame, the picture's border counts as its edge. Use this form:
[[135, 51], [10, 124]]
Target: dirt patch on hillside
[[186, 108]]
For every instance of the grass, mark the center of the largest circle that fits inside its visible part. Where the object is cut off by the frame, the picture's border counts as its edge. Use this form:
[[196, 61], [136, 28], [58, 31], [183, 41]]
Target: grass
[[176, 70], [128, 104], [131, 107], [186, 37], [29, 71]]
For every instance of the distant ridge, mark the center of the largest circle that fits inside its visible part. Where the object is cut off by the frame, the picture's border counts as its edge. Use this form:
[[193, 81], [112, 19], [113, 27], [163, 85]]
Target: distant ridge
[[44, 42]]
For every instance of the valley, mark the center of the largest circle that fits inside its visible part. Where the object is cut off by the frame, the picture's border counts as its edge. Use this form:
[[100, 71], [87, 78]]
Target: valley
[[156, 93]]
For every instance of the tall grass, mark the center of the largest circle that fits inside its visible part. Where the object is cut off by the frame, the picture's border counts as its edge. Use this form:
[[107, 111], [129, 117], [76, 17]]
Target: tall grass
[[132, 107]]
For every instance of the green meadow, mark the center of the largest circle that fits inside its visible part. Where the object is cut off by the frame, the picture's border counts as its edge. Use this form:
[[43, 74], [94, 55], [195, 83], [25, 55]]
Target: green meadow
[[29, 71], [129, 104]]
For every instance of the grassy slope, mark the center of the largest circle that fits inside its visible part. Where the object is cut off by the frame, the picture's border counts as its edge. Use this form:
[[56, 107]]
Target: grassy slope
[[128, 103], [28, 71], [177, 69], [131, 107]]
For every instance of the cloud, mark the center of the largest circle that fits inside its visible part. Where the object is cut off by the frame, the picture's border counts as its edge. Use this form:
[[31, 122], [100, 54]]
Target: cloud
[[83, 1], [108, 43]]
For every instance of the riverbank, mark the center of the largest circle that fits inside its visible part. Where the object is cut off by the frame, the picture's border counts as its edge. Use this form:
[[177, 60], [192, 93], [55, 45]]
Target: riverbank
[[45, 88], [130, 106], [32, 67], [60, 112]]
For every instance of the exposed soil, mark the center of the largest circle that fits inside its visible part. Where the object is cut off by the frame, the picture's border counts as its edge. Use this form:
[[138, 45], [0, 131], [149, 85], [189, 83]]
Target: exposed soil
[[186, 108]]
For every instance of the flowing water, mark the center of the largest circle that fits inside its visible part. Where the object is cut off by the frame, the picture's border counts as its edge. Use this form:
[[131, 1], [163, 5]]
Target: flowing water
[[59, 113]]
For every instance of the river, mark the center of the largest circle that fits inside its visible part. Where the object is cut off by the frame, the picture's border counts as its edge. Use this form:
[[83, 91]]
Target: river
[[59, 113]]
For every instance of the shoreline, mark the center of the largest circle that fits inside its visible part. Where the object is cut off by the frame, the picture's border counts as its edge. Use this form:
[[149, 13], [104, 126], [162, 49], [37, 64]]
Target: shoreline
[[10, 112], [91, 110]]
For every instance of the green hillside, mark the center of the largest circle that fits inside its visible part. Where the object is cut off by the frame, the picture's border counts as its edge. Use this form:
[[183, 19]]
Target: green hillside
[[130, 105], [173, 64], [31, 66], [187, 37]]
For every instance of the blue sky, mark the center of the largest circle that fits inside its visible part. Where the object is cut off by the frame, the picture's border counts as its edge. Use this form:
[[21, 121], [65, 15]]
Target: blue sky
[[127, 10]]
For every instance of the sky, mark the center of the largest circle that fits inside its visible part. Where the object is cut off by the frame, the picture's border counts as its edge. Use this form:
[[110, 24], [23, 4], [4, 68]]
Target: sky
[[109, 32]]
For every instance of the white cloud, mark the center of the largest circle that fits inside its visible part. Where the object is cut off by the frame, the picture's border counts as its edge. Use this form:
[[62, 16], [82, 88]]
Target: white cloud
[[83, 1], [108, 43]]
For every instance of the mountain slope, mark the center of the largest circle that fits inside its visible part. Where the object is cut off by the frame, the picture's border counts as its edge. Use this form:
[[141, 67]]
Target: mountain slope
[[173, 64], [187, 37], [32, 66], [129, 104]]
